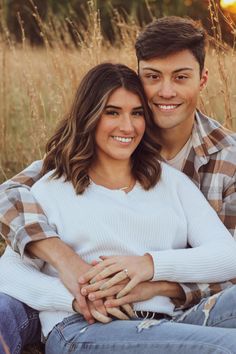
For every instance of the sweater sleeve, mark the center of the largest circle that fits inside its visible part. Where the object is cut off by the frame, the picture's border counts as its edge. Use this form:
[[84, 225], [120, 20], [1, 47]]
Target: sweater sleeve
[[23, 280], [212, 256]]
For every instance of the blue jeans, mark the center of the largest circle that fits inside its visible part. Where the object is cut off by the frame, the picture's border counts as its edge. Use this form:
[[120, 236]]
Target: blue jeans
[[198, 331], [19, 324]]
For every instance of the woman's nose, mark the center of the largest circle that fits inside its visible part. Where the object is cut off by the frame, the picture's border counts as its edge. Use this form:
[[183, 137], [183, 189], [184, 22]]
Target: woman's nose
[[126, 124]]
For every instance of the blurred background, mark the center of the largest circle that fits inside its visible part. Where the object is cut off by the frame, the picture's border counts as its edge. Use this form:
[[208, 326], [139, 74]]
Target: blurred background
[[47, 45]]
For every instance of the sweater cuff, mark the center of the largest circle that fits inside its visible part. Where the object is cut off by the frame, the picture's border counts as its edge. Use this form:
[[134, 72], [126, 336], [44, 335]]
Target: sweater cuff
[[163, 269], [62, 298]]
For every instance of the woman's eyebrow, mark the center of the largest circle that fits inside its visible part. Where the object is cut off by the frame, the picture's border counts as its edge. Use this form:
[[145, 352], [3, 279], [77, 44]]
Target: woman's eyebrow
[[111, 106], [116, 107], [138, 108]]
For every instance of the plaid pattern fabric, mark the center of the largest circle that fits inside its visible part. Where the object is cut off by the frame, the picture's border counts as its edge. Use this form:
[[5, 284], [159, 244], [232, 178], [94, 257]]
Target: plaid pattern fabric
[[211, 164], [21, 217]]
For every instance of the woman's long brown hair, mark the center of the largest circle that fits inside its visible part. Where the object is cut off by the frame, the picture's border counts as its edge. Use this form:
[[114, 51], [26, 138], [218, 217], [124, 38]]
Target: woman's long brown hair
[[72, 149]]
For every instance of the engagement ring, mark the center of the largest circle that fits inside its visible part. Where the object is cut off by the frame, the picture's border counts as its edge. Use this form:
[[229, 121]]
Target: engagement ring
[[126, 272]]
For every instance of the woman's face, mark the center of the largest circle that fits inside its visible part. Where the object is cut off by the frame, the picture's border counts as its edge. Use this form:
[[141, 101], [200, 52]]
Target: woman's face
[[121, 126]]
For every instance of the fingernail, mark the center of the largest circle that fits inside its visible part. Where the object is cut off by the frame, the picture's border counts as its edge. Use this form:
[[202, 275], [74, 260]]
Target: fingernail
[[118, 296], [91, 297], [91, 321], [81, 280], [83, 291], [92, 281]]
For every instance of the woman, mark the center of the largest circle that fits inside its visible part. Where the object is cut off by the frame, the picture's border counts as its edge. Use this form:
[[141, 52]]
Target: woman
[[106, 193]]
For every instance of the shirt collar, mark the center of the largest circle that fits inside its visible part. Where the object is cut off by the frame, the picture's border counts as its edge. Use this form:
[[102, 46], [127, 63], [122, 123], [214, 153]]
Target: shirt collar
[[209, 137]]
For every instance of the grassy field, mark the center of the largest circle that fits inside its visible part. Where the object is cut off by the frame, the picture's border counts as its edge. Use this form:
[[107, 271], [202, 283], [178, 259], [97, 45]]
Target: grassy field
[[37, 85]]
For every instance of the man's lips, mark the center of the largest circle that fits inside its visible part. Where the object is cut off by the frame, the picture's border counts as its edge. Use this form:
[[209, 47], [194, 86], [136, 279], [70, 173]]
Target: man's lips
[[167, 107]]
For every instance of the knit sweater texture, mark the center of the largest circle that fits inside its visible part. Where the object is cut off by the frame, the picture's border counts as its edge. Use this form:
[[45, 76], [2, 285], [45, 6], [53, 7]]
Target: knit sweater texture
[[162, 221]]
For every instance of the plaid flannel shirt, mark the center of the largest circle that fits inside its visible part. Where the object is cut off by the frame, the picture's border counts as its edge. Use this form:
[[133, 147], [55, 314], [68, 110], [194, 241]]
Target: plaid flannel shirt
[[211, 164]]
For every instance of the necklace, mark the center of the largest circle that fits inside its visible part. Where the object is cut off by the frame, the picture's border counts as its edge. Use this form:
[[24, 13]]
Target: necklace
[[127, 188], [108, 184]]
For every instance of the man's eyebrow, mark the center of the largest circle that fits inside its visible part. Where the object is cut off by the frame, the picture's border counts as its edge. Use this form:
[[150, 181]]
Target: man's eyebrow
[[175, 71]]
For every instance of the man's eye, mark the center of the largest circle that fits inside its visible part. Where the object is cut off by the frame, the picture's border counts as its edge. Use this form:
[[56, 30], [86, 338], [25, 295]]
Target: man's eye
[[153, 76], [181, 77]]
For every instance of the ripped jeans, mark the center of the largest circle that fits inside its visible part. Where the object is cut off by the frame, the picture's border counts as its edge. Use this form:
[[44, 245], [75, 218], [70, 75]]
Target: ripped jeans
[[207, 328]]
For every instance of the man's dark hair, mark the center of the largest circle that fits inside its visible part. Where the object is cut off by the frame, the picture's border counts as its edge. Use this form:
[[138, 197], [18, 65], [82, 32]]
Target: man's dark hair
[[169, 35]]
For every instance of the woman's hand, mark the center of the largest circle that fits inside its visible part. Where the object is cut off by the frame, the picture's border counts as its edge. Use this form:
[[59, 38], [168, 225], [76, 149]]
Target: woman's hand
[[136, 268], [90, 289]]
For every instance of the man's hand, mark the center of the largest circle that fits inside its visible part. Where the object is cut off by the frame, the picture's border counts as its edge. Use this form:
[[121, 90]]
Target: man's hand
[[69, 275], [95, 308], [141, 292], [70, 267], [125, 314]]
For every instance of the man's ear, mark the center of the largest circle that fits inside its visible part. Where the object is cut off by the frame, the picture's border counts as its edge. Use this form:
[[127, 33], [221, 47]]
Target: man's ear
[[138, 67], [204, 79]]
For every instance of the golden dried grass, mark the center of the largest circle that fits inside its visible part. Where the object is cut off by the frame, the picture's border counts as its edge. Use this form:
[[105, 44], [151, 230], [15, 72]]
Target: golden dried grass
[[37, 84]]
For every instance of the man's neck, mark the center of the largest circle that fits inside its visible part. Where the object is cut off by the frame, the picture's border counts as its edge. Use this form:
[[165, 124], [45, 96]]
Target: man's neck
[[173, 140]]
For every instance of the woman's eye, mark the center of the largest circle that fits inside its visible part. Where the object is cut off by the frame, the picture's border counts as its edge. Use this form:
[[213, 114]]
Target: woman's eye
[[138, 113], [111, 113]]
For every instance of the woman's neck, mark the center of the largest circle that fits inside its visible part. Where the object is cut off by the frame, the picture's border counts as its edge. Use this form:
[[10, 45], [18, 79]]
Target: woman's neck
[[115, 175]]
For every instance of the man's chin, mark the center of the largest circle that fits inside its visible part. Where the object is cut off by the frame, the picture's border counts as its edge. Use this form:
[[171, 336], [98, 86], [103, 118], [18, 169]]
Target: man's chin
[[165, 123]]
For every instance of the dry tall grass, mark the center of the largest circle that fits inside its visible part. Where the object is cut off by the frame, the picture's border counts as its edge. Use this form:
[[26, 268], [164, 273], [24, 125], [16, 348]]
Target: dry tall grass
[[37, 84]]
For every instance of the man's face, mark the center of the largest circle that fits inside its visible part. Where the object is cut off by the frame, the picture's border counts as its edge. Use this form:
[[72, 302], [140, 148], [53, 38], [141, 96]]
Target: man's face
[[172, 85]]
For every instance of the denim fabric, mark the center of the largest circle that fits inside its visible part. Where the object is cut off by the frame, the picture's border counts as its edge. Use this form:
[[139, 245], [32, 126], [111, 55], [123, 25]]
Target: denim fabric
[[218, 310], [19, 324], [188, 333]]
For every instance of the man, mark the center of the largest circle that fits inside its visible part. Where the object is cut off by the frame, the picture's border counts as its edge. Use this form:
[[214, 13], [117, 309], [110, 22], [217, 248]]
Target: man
[[170, 53]]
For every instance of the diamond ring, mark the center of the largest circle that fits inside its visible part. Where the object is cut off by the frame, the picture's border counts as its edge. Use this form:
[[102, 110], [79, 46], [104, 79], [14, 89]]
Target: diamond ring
[[126, 272]]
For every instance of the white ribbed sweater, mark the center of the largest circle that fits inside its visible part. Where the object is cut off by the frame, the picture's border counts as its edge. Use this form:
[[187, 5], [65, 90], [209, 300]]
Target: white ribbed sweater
[[161, 221]]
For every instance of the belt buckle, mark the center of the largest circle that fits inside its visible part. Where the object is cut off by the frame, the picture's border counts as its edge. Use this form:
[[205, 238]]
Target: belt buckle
[[150, 315]]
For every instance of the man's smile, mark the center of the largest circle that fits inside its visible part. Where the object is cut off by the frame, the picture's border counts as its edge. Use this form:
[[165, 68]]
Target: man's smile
[[167, 107]]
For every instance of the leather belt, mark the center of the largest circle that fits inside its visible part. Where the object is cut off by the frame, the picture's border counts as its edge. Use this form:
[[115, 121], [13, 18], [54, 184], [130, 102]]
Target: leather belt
[[151, 315]]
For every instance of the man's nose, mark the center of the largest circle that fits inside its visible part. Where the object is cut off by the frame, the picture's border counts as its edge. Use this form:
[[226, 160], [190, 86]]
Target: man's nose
[[166, 89]]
